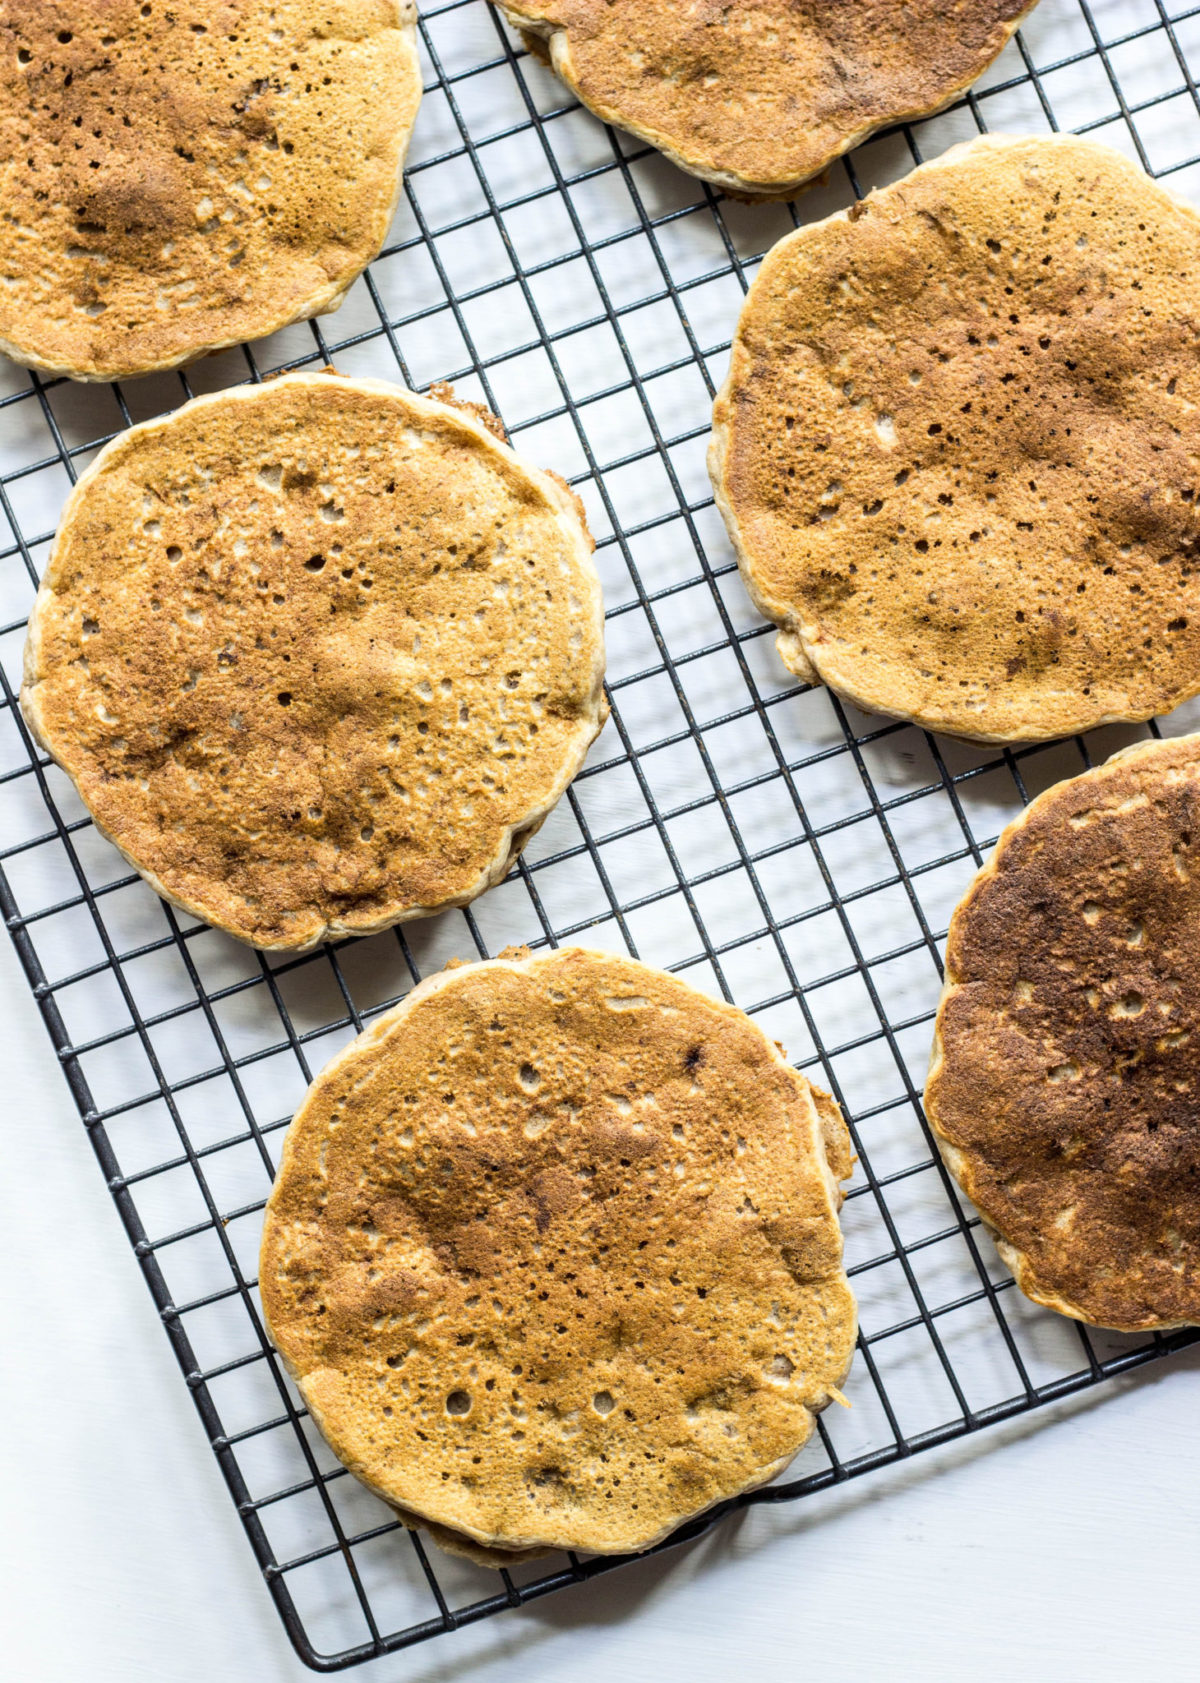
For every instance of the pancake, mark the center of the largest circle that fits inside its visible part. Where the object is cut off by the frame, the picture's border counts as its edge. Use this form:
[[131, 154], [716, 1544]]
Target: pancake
[[553, 1253], [319, 655], [1065, 1084], [956, 449], [181, 178], [758, 96]]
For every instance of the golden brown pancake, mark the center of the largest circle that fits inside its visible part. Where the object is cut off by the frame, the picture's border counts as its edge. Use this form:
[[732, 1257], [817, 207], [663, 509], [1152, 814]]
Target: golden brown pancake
[[1065, 1084], [319, 655], [956, 451], [758, 96], [553, 1253], [180, 177]]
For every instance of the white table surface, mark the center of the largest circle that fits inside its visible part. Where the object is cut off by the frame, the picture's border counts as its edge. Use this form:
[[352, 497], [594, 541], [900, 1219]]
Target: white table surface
[[1064, 1546]]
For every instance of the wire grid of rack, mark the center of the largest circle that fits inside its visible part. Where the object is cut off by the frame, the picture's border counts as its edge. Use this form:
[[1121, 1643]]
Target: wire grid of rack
[[754, 835]]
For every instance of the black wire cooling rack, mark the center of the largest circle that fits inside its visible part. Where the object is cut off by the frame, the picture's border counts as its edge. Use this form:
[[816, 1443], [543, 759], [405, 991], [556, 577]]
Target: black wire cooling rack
[[759, 837]]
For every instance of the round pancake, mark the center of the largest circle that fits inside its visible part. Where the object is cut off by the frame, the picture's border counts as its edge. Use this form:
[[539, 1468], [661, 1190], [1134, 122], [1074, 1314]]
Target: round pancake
[[758, 96], [956, 449], [1065, 1084], [319, 655], [553, 1253], [181, 178]]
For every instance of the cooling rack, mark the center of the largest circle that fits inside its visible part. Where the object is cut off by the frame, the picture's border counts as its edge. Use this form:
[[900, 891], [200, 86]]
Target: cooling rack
[[757, 836]]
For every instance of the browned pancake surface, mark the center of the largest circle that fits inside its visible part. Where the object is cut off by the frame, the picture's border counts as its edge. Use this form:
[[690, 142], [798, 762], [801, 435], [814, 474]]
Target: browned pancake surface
[[957, 448], [319, 655], [553, 1254], [183, 176], [760, 95], [1066, 1075]]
